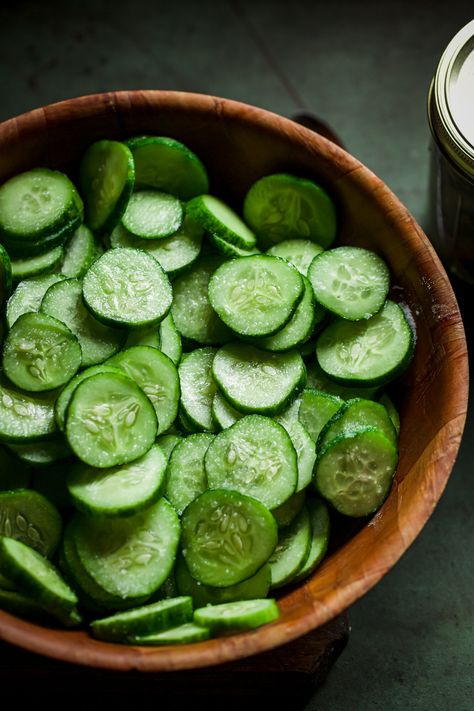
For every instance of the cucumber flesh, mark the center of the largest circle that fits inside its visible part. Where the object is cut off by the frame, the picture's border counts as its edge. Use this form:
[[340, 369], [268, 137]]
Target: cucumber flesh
[[186, 475], [320, 526], [237, 616], [188, 633], [355, 414], [291, 552], [216, 217], [299, 252], [29, 517], [151, 214]]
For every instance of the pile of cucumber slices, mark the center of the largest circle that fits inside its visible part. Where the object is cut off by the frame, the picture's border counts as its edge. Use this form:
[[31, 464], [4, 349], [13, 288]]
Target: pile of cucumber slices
[[186, 392]]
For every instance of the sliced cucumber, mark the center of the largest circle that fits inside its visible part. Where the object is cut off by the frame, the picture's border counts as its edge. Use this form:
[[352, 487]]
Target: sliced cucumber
[[299, 252], [255, 296], [43, 453], [387, 402], [316, 408], [305, 447], [24, 418], [5, 275], [223, 414], [28, 296], [292, 550], [167, 443], [355, 414], [320, 525], [198, 387], [29, 517], [186, 475], [151, 214], [231, 250], [37, 265], [20, 604], [285, 513], [79, 252], [318, 380], [149, 336], [170, 340], [183, 634], [237, 616], [219, 219]]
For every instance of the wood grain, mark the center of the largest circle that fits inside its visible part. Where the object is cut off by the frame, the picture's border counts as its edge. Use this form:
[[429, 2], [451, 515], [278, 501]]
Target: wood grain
[[239, 144]]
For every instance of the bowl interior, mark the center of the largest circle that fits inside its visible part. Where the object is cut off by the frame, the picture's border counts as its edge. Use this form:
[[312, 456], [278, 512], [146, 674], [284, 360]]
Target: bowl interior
[[239, 144]]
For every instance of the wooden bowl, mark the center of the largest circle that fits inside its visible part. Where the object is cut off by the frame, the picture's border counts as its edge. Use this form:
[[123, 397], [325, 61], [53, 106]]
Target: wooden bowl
[[238, 144]]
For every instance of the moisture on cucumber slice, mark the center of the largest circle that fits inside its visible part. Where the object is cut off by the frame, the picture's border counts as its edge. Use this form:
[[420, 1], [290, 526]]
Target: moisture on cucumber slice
[[351, 282], [231, 250], [149, 336], [106, 180], [110, 420], [186, 476], [167, 164], [29, 517], [226, 537], [170, 340], [188, 633], [127, 288], [119, 491], [36, 265], [386, 401], [253, 380], [282, 206], [319, 520], [133, 556], [193, 315], [305, 447], [299, 252], [316, 408], [355, 414], [318, 380], [40, 353], [255, 587], [35, 204], [255, 457], [368, 352], [24, 418], [198, 387], [223, 414], [291, 552], [354, 472], [167, 443], [37, 577], [28, 296], [237, 616], [285, 513], [63, 301], [42, 453], [79, 252], [151, 214], [256, 296], [216, 217], [5, 275]]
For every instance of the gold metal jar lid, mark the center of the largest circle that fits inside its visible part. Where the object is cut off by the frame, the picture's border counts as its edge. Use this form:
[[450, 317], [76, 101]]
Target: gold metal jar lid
[[451, 100]]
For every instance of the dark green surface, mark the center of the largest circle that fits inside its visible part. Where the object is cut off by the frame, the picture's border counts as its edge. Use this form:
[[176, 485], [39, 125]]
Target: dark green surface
[[364, 67]]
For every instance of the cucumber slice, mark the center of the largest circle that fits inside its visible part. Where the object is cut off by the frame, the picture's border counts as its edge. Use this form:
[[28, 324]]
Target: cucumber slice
[[36, 265], [167, 164], [292, 550], [299, 328], [299, 252], [316, 409], [256, 586], [119, 491], [198, 387], [35, 204], [127, 287], [320, 525], [63, 301], [318, 380], [106, 180], [255, 457], [151, 214], [167, 443], [223, 414], [368, 352], [5, 275], [193, 315], [237, 616], [170, 340], [281, 206], [386, 401], [219, 219], [183, 634], [157, 376], [186, 476], [40, 353], [13, 474], [79, 252], [37, 577], [285, 513], [351, 282], [24, 418], [110, 421], [305, 447], [257, 381], [30, 518], [146, 620], [129, 557], [28, 296], [149, 336], [354, 415], [43, 453], [21, 249], [354, 472], [257, 295], [175, 253], [20, 604], [231, 250], [226, 537]]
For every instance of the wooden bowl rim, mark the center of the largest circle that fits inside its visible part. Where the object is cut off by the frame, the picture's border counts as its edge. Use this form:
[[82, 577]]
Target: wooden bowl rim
[[78, 647]]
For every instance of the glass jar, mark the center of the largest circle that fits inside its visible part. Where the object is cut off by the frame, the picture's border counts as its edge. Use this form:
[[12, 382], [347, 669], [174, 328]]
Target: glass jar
[[451, 117]]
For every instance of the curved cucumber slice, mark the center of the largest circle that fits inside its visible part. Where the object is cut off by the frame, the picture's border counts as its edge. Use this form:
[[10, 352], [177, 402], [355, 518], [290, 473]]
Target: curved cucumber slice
[[318, 380], [320, 525], [28, 296], [192, 313], [43, 453], [198, 387], [299, 252], [5, 275], [350, 281], [186, 476], [226, 537], [127, 287], [151, 214], [20, 604], [13, 473], [354, 472], [285, 513], [119, 491], [30, 518], [170, 340], [304, 446], [167, 164], [157, 376], [368, 352], [167, 443], [110, 421], [386, 401], [79, 253], [223, 414], [40, 353], [256, 457], [355, 414], [294, 543], [315, 409], [64, 302], [24, 418], [253, 380], [106, 179], [149, 336], [229, 249], [237, 616], [129, 557], [257, 295], [150, 619], [218, 218], [184, 634], [36, 265], [281, 206]]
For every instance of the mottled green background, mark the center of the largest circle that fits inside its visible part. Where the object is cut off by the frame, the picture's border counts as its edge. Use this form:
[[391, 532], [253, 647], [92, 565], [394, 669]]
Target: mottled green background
[[364, 67]]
